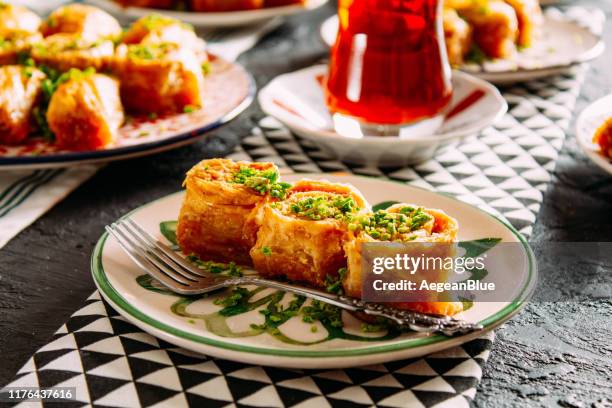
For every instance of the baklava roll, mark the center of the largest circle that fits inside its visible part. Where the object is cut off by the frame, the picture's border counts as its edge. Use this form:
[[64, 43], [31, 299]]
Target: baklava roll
[[158, 29], [225, 5], [159, 78], [17, 18], [530, 20], [603, 138], [20, 88], [85, 112], [458, 37], [220, 196], [65, 51], [400, 223], [495, 27], [301, 238], [87, 21]]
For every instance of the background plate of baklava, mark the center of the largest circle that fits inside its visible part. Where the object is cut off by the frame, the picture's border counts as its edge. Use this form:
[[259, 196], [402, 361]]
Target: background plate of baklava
[[594, 132], [507, 41], [77, 88], [211, 13], [290, 228]]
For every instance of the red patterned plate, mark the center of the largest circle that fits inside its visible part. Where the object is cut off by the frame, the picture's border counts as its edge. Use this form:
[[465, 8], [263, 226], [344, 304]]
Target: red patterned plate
[[229, 90]]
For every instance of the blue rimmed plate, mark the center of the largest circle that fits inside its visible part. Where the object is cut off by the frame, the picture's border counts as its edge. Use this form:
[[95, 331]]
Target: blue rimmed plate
[[212, 19], [229, 90]]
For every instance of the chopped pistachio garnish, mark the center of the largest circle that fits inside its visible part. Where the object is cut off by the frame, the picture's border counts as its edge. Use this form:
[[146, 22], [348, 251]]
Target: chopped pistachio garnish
[[262, 181], [391, 226], [149, 51], [206, 68], [324, 207], [153, 21]]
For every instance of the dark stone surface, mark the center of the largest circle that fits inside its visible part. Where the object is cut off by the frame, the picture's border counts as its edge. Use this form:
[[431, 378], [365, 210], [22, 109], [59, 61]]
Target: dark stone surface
[[552, 354]]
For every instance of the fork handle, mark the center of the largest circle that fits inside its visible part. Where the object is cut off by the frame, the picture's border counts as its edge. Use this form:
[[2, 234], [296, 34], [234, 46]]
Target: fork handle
[[413, 320]]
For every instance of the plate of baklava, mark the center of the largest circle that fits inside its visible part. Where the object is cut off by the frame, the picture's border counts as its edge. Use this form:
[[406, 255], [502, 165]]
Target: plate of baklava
[[594, 132], [508, 41], [211, 13], [238, 218], [76, 87]]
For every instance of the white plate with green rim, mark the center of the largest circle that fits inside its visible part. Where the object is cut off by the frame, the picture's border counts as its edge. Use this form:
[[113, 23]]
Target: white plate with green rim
[[197, 325]]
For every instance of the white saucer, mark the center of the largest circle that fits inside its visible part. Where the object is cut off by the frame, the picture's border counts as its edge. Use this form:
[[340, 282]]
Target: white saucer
[[564, 44], [296, 99], [586, 125]]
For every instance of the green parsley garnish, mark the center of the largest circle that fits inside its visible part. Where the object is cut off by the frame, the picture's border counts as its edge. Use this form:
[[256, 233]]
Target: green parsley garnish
[[49, 85], [234, 298], [266, 251], [276, 314], [323, 312], [381, 324], [190, 108], [333, 284], [216, 268], [476, 55], [262, 181]]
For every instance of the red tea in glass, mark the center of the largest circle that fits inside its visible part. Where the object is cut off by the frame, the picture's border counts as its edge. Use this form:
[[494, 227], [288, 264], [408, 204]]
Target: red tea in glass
[[389, 64]]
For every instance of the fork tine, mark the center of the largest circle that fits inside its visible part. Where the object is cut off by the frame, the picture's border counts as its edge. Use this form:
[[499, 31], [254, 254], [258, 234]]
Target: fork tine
[[135, 241], [168, 253], [142, 262], [152, 251]]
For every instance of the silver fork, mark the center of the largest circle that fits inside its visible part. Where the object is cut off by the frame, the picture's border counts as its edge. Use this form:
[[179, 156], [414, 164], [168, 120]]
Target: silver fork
[[180, 276]]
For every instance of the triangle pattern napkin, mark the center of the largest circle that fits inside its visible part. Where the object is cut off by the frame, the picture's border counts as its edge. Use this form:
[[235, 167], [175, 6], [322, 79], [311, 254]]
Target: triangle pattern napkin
[[113, 363]]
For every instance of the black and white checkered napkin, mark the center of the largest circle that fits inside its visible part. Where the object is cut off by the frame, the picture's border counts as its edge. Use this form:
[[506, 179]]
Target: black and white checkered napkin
[[505, 170]]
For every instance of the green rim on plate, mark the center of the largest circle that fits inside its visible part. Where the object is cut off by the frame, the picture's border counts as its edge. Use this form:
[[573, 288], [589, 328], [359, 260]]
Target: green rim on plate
[[119, 301]]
